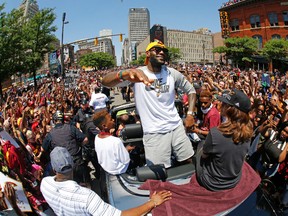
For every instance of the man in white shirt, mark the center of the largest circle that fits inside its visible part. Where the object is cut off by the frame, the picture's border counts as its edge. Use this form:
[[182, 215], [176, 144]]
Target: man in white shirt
[[68, 198], [99, 100], [154, 93]]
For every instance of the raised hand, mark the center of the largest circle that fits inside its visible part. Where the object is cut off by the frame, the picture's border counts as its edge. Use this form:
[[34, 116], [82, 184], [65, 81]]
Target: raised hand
[[136, 75]]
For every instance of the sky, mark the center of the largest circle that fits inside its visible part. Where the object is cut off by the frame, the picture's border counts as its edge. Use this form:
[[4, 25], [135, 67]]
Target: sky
[[87, 17]]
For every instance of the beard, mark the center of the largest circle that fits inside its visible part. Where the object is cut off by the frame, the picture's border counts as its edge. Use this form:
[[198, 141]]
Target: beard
[[156, 62]]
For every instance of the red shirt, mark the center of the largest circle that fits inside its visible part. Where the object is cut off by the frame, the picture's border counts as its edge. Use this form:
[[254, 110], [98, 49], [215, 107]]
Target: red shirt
[[211, 119]]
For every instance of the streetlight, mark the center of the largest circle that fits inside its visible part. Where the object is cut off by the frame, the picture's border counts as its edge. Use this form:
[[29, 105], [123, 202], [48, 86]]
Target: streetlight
[[62, 47]]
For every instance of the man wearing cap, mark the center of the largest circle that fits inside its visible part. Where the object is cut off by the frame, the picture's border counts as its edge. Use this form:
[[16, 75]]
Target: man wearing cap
[[154, 93], [68, 198]]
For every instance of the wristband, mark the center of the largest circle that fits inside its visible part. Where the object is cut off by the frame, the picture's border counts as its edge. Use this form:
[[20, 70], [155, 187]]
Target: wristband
[[119, 76], [190, 113]]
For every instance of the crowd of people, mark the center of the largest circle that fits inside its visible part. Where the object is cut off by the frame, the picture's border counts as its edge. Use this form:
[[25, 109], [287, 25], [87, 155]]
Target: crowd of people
[[54, 116]]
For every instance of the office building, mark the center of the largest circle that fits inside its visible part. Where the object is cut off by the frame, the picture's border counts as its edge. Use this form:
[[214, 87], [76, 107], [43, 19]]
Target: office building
[[29, 7], [138, 28], [261, 19], [104, 45]]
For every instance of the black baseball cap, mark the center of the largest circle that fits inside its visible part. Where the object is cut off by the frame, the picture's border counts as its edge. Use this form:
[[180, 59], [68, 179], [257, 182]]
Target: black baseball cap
[[237, 99]]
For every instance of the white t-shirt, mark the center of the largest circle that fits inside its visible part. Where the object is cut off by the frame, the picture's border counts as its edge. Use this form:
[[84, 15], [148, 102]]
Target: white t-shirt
[[98, 101], [67, 198], [112, 155], [155, 104]]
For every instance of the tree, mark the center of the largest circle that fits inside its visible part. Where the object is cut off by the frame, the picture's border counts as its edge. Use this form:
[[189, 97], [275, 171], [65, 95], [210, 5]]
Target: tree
[[97, 60], [38, 37], [139, 61], [10, 42], [174, 54], [275, 49], [239, 50]]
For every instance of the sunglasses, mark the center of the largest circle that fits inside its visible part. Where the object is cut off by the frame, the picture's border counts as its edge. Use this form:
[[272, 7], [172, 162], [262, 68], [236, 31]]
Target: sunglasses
[[159, 49]]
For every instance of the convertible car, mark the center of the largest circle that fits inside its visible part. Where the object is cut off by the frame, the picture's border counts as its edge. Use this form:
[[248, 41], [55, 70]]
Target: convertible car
[[126, 190]]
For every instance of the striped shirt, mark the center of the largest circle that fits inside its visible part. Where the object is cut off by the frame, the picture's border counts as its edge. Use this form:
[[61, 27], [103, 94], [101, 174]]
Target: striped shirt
[[68, 198]]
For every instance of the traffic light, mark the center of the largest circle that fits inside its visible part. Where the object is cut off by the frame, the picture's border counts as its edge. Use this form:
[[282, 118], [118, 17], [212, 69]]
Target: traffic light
[[121, 37], [96, 41]]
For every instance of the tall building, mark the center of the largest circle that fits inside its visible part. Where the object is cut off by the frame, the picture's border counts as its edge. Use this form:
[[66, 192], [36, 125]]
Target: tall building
[[30, 8], [138, 28]]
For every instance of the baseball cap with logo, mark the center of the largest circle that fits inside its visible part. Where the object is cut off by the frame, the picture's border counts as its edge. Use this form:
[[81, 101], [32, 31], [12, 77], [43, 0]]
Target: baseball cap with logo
[[237, 99], [156, 43], [61, 160]]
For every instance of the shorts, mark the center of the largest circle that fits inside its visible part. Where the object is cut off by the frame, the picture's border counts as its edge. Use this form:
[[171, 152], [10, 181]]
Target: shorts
[[160, 147]]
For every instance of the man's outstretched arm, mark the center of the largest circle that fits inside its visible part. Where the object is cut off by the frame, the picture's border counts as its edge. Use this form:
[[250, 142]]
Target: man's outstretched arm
[[132, 75]]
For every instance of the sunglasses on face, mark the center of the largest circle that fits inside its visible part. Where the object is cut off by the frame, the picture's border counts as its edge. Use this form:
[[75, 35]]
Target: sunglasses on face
[[158, 50]]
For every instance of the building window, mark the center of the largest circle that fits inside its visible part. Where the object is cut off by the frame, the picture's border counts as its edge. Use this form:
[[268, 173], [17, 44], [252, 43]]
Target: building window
[[260, 40], [255, 21], [285, 17], [276, 36], [234, 24], [286, 37], [273, 19]]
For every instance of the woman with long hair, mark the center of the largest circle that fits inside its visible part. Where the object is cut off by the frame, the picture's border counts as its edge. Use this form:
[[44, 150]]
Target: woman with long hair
[[221, 156]]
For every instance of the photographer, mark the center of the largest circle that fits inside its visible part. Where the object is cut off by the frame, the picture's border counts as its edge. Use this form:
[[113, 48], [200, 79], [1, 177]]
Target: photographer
[[272, 147]]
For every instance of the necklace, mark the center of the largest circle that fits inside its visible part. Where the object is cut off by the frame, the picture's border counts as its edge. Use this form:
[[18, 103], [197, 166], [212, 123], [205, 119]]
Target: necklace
[[158, 85]]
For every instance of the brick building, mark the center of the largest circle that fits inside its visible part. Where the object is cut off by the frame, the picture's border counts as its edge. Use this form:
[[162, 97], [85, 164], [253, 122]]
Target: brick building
[[261, 19]]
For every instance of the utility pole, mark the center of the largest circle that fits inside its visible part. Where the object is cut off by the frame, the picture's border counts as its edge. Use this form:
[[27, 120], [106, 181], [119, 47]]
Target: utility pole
[[62, 47]]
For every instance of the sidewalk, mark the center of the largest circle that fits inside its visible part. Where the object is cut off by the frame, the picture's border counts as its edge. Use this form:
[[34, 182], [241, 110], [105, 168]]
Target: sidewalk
[[116, 98]]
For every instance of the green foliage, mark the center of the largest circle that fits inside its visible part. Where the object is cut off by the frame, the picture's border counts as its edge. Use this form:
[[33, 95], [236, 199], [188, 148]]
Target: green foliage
[[220, 49], [98, 60], [10, 41], [134, 62], [275, 49], [174, 54], [139, 61], [239, 50], [23, 43], [37, 39]]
